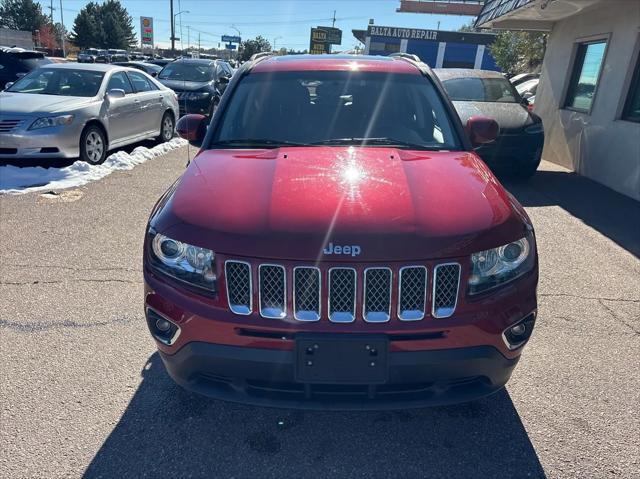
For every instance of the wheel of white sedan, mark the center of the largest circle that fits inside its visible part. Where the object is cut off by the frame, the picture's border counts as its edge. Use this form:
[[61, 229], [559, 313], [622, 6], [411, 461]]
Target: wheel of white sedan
[[93, 145], [167, 128]]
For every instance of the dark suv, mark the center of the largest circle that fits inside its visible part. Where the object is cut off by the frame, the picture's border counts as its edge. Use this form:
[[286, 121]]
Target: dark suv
[[16, 63], [198, 83]]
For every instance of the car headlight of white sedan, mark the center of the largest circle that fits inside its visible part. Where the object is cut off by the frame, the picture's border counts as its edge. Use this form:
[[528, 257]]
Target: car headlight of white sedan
[[49, 121]]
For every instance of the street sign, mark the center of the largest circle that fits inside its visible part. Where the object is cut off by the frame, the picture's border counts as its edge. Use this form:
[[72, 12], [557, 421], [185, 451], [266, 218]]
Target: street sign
[[146, 31], [318, 42], [230, 39], [334, 35], [230, 46]]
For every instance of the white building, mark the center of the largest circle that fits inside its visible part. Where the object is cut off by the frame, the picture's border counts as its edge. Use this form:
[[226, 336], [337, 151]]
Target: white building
[[589, 92]]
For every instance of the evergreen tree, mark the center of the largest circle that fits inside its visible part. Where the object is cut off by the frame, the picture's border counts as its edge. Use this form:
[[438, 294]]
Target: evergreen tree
[[103, 26], [22, 15]]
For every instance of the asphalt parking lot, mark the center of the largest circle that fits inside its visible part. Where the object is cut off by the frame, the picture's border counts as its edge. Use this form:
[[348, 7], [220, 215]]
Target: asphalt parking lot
[[83, 392]]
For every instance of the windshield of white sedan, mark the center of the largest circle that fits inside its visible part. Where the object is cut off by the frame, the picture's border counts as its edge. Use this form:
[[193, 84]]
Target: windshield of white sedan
[[336, 108], [480, 89], [62, 82], [187, 72]]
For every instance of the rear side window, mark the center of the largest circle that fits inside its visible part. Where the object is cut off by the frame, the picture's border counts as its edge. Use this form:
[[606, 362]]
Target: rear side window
[[315, 107], [140, 82], [120, 81], [480, 89]]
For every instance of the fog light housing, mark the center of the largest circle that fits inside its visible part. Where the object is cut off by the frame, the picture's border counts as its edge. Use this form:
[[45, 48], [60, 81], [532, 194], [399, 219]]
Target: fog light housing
[[518, 334], [162, 329]]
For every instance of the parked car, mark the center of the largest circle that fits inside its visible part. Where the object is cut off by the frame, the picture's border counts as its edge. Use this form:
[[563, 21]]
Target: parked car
[[116, 55], [198, 83], [528, 89], [71, 110], [518, 149], [17, 62], [523, 77], [148, 68], [160, 61], [89, 55], [337, 243]]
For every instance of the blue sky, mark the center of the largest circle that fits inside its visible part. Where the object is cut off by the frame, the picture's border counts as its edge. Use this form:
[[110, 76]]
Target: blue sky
[[289, 19]]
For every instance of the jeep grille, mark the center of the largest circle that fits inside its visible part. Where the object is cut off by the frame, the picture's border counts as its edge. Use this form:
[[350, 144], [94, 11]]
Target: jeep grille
[[377, 295], [342, 295], [446, 280], [412, 293], [404, 289], [239, 291], [306, 293], [273, 291]]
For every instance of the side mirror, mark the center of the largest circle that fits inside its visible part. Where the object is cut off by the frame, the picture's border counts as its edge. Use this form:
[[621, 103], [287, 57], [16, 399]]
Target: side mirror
[[481, 130], [192, 128], [527, 94], [154, 74], [224, 80], [115, 93], [8, 85]]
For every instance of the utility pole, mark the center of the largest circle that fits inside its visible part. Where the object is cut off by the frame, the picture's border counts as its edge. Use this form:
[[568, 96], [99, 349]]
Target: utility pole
[[51, 9], [188, 38], [333, 21], [64, 50], [173, 33]]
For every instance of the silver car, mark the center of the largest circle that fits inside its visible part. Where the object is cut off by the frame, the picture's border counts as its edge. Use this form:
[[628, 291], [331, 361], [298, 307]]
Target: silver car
[[72, 110]]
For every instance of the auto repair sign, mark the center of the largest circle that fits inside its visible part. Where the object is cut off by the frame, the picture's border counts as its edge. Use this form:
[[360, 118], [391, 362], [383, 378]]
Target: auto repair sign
[[146, 30]]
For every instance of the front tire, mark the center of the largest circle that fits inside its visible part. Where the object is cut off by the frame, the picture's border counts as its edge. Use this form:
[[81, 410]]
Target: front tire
[[167, 128], [93, 145]]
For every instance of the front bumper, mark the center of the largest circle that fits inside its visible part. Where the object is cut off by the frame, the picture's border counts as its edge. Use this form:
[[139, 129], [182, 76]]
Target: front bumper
[[54, 142], [265, 377], [202, 107], [511, 150]]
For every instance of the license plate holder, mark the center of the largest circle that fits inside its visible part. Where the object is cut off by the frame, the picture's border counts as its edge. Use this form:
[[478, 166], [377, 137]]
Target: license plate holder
[[328, 359]]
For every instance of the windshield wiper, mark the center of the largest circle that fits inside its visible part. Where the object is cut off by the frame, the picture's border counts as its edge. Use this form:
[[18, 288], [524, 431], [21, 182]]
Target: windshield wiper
[[383, 141], [257, 142]]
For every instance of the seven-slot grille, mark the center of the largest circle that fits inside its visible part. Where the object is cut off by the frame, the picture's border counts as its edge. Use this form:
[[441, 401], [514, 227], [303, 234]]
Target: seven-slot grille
[[410, 282]]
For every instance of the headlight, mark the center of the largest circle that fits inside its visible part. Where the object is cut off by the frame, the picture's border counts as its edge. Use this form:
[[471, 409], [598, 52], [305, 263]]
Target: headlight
[[496, 266], [48, 121], [194, 95], [182, 261]]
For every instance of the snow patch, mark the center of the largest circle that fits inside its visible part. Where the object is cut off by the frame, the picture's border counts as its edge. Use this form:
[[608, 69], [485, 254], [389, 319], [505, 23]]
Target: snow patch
[[17, 180]]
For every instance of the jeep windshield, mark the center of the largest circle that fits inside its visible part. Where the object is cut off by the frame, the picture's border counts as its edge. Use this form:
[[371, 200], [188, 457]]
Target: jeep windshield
[[336, 108]]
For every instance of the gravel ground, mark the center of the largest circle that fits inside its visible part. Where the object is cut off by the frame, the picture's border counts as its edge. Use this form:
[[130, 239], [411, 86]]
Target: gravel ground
[[83, 392]]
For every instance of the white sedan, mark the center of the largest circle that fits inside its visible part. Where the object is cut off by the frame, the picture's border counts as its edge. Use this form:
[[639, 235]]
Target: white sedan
[[76, 110]]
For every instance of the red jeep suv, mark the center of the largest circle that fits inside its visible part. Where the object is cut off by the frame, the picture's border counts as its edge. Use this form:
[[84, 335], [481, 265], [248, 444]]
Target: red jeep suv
[[336, 243]]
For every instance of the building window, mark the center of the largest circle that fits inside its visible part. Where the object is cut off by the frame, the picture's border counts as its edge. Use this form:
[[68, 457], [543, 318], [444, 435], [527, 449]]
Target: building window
[[632, 106], [585, 75]]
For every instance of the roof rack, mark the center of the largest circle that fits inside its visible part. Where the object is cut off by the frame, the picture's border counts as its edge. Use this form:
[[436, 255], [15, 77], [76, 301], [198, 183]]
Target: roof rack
[[408, 56], [256, 56]]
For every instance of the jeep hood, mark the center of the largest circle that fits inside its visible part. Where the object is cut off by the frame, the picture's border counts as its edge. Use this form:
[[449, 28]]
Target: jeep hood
[[289, 203]]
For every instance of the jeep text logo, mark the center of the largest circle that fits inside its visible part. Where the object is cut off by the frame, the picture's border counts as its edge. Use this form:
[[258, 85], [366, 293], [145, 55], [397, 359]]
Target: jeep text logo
[[353, 250]]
